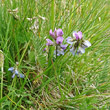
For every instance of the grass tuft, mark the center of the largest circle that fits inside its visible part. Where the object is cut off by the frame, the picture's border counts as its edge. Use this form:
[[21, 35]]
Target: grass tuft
[[68, 82]]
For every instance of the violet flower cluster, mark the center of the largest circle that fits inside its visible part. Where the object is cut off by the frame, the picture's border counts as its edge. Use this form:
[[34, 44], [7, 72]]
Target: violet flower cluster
[[76, 42], [15, 72], [57, 35]]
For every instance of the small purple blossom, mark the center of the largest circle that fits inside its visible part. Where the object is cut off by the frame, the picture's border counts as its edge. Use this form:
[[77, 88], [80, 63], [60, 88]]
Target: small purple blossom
[[59, 33], [21, 75], [64, 46], [11, 69], [81, 48], [13, 75], [73, 50], [49, 42], [52, 34], [77, 35], [56, 33], [78, 44], [60, 51], [44, 49], [77, 51], [59, 40], [15, 72]]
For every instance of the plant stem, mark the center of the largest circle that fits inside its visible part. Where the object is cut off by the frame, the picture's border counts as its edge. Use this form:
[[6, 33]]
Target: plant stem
[[2, 71], [1, 86], [56, 51]]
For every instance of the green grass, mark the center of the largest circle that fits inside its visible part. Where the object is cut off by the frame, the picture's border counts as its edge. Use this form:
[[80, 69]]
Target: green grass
[[70, 82]]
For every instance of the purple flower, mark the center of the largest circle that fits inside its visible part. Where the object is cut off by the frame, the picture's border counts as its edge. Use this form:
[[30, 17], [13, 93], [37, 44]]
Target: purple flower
[[57, 36], [73, 50], [59, 33], [11, 69], [77, 46], [15, 72], [52, 34], [59, 40], [81, 48], [44, 49], [49, 42], [13, 75], [77, 51], [77, 35], [69, 40], [60, 51], [63, 46], [56, 33]]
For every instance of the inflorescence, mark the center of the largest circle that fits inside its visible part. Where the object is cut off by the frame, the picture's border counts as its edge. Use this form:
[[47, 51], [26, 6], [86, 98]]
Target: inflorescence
[[76, 43], [15, 72]]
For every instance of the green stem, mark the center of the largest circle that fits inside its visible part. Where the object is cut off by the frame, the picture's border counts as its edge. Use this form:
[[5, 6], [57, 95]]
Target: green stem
[[1, 86], [56, 51]]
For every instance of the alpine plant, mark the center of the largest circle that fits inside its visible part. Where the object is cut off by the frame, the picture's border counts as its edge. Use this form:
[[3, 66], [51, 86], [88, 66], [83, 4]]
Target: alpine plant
[[77, 44]]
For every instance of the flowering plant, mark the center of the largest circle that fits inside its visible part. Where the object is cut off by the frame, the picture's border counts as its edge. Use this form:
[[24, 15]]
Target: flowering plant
[[76, 42], [57, 35], [15, 72]]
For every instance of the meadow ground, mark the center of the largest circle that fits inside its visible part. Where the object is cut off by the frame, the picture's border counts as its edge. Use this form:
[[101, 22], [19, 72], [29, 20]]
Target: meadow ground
[[49, 82]]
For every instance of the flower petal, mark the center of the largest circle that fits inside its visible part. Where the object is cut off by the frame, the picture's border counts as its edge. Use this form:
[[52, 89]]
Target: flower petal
[[73, 51], [44, 49], [21, 75], [86, 43], [11, 69], [77, 36], [69, 40], [59, 33], [74, 32], [60, 52], [13, 75], [64, 46], [80, 35], [59, 40], [52, 34], [16, 72], [81, 50], [49, 42]]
